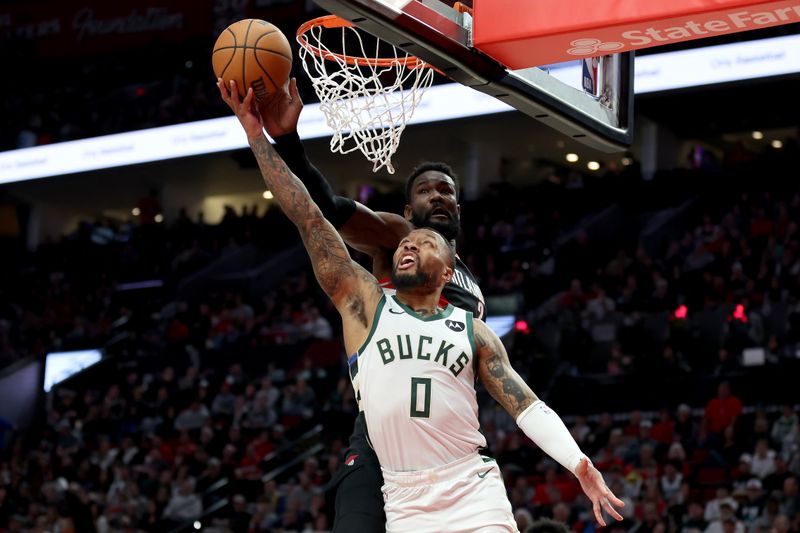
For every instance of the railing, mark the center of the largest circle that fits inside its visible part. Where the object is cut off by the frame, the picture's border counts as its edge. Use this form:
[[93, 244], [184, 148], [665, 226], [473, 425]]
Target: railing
[[294, 445], [314, 450], [207, 513]]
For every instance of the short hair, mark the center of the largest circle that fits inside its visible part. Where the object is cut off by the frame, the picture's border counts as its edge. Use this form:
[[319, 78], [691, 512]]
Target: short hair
[[436, 166]]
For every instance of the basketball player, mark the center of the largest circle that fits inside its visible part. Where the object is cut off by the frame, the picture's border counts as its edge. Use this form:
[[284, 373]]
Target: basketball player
[[431, 192], [432, 195], [413, 368]]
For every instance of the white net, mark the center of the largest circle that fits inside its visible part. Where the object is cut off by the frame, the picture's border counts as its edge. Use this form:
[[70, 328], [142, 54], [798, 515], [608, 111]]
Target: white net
[[367, 105]]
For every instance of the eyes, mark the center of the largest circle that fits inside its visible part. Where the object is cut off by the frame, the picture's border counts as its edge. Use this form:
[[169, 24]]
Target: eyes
[[426, 242], [445, 191]]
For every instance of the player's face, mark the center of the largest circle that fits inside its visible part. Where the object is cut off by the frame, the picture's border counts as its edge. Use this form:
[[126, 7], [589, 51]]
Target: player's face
[[421, 260], [434, 205]]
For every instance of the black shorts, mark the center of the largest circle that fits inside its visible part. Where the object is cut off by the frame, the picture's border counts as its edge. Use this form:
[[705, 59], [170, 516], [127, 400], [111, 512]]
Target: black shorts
[[359, 501]]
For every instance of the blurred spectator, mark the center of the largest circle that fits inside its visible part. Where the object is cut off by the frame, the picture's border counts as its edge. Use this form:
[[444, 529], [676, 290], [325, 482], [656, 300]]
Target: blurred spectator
[[713, 507], [785, 426], [193, 417], [723, 410], [727, 522], [184, 503], [763, 460], [671, 480], [790, 499], [694, 521]]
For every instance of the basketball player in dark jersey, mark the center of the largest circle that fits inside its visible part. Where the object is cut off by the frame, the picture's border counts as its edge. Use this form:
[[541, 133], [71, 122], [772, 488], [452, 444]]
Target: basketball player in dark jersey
[[432, 196]]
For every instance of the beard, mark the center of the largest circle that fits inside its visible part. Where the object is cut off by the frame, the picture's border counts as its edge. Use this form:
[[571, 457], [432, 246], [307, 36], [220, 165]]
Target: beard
[[410, 281], [447, 228]]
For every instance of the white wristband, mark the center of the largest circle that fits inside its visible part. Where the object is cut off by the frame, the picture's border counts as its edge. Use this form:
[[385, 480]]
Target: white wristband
[[546, 429]]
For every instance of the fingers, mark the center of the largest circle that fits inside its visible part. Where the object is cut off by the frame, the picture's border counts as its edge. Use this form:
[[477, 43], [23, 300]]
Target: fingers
[[610, 508], [248, 99], [293, 90], [223, 91], [613, 499], [598, 513], [235, 92]]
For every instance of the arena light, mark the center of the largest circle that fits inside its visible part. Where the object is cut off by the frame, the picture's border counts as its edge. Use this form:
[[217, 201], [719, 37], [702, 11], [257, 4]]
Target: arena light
[[197, 524], [59, 366], [267, 195], [593, 165], [522, 327], [681, 312], [758, 135], [159, 218], [136, 211], [738, 314], [572, 158], [777, 144], [500, 324], [138, 285], [627, 161]]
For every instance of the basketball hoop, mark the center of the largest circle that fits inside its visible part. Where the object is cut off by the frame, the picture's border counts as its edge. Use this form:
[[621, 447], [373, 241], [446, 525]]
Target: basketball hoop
[[367, 98]]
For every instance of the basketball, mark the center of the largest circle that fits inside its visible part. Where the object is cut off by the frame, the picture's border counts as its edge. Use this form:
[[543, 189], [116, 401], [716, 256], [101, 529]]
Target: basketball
[[253, 53]]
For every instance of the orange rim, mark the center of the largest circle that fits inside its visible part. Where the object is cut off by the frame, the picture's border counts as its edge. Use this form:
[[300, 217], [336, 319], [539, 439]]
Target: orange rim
[[462, 8], [333, 21]]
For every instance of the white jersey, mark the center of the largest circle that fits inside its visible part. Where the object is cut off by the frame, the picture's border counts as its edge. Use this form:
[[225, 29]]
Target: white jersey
[[415, 380]]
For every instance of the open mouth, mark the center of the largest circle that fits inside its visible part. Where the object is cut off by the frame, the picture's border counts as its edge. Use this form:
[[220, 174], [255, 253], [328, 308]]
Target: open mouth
[[407, 261], [441, 213]]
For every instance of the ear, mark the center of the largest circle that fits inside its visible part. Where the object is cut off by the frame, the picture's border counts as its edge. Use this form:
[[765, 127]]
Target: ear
[[407, 212], [447, 275]]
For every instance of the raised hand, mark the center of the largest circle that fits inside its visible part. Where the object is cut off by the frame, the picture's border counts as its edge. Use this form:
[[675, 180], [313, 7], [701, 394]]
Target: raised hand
[[280, 111], [596, 490], [245, 110]]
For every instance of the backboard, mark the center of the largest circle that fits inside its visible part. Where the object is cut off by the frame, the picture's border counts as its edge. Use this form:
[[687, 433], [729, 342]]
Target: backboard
[[600, 116]]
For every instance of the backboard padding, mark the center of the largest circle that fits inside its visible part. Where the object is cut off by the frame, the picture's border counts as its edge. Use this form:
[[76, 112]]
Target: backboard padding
[[439, 35]]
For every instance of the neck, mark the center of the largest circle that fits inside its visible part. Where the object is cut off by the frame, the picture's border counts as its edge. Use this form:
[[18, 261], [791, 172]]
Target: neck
[[422, 301]]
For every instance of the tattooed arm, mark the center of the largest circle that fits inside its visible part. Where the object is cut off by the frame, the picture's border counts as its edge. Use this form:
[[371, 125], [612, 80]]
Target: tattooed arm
[[539, 422], [497, 374], [353, 290]]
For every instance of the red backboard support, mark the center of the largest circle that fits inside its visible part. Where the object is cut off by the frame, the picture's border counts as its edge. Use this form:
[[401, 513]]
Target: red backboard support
[[528, 33], [442, 36]]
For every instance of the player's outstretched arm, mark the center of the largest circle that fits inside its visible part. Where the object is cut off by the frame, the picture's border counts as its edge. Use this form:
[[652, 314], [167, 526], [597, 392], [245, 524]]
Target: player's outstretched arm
[[362, 228], [353, 290], [497, 374], [539, 423]]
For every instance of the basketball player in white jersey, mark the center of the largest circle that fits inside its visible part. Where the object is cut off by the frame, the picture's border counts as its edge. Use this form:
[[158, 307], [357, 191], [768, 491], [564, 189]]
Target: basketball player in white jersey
[[413, 367]]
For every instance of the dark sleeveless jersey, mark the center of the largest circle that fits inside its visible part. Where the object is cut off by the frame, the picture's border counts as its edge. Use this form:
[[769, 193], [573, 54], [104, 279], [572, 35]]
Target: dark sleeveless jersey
[[462, 291]]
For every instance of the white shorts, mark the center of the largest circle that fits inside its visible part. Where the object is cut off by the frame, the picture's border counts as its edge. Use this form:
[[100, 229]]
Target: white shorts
[[466, 496]]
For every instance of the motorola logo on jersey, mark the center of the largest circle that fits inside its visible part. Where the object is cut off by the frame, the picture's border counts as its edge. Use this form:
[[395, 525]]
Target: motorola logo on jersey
[[454, 325]]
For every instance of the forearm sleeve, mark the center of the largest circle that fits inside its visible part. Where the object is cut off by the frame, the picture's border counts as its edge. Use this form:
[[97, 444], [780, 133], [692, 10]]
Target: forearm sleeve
[[337, 209], [546, 429]]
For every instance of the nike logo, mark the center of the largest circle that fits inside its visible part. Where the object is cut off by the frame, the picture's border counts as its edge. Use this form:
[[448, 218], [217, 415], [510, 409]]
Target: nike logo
[[392, 310], [483, 475]]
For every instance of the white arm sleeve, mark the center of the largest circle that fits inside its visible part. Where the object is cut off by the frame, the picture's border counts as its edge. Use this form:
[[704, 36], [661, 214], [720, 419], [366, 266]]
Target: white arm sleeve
[[546, 429]]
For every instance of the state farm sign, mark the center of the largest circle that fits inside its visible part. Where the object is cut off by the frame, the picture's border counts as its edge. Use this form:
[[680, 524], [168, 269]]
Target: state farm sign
[[608, 26]]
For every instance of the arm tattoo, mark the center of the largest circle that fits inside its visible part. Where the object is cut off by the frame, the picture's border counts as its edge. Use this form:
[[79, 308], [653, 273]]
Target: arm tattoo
[[332, 262], [499, 378]]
